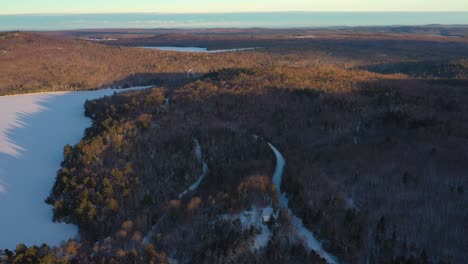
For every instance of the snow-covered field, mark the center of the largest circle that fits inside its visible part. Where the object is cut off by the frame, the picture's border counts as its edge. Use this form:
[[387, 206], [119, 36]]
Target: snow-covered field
[[34, 128]]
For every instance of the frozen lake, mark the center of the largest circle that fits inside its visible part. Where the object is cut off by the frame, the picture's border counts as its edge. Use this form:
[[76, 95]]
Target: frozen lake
[[34, 128], [194, 49]]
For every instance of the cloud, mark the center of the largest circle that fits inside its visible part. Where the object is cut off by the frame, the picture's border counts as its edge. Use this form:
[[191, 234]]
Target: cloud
[[2, 189]]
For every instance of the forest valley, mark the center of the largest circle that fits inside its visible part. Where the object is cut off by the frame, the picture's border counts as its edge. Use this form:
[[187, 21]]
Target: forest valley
[[375, 149]]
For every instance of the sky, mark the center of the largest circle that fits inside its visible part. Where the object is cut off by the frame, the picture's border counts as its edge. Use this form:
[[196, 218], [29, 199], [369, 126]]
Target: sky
[[221, 6]]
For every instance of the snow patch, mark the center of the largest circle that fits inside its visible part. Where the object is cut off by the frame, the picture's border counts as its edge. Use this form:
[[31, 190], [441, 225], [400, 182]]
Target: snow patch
[[261, 240], [254, 218], [350, 204]]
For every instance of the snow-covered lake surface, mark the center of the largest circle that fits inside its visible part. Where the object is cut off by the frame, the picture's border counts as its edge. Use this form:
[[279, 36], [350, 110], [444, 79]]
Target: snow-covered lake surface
[[194, 49], [34, 128]]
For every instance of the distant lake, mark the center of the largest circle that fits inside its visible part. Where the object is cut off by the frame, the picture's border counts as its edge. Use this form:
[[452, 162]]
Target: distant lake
[[239, 20], [194, 49]]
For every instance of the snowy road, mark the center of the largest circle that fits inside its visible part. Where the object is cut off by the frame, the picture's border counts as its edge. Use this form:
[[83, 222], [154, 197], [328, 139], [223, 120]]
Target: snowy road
[[199, 156], [310, 242]]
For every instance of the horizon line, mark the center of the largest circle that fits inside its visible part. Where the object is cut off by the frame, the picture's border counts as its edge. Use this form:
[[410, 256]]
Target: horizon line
[[221, 28], [235, 12]]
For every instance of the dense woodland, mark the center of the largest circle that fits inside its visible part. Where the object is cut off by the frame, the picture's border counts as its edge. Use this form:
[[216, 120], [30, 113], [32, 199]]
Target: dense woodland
[[53, 61], [376, 155]]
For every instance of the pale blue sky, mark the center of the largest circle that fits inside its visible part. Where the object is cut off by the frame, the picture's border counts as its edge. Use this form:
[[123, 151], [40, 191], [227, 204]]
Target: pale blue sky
[[211, 6]]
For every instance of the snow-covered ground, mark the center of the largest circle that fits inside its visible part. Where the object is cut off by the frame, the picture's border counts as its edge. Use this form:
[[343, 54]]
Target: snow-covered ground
[[34, 128], [302, 232], [194, 49], [254, 217]]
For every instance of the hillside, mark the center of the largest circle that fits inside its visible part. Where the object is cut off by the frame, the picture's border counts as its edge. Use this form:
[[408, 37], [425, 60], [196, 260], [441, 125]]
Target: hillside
[[33, 62], [356, 172], [375, 157]]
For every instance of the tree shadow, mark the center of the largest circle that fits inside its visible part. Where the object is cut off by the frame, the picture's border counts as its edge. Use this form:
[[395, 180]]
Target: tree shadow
[[428, 68]]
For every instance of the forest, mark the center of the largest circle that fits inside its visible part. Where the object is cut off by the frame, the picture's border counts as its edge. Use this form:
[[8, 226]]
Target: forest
[[375, 149], [68, 61]]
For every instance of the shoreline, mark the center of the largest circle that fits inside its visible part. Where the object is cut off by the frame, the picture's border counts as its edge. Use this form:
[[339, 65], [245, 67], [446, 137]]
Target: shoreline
[[133, 88]]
